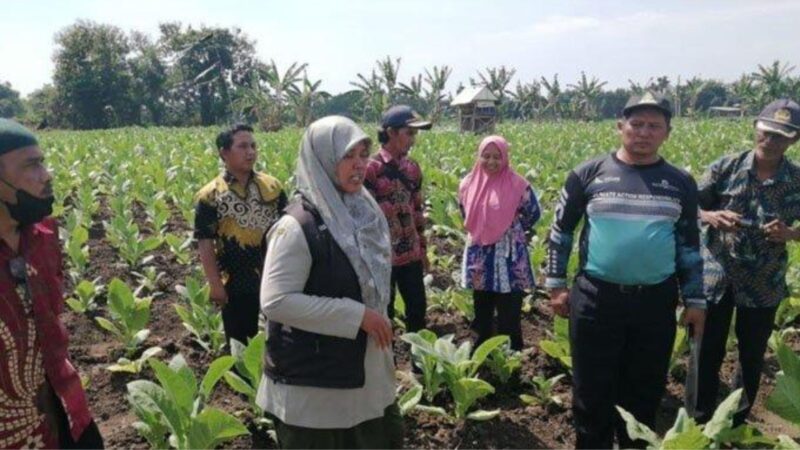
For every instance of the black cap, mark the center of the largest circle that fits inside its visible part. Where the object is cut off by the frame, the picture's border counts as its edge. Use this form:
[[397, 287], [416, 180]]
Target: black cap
[[401, 116], [14, 136], [649, 100], [781, 116]]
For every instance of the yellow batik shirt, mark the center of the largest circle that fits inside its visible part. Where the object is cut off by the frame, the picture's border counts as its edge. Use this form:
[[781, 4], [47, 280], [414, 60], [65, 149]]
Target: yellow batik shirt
[[237, 217]]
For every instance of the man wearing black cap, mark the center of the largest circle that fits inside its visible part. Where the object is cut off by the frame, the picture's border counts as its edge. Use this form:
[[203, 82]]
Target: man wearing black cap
[[639, 252], [42, 402], [748, 202], [395, 180]]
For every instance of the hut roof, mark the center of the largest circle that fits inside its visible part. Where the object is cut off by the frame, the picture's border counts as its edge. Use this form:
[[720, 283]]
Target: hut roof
[[470, 95]]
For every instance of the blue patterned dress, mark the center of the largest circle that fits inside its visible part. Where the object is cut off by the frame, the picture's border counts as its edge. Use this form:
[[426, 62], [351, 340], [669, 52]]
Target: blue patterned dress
[[504, 266]]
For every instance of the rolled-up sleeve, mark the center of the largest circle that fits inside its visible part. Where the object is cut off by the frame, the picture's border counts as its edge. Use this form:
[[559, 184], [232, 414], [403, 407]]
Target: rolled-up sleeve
[[286, 269]]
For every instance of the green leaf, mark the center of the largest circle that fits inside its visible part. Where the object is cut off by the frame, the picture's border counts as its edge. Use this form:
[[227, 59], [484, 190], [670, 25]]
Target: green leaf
[[252, 357], [434, 410], [637, 430], [789, 361], [239, 385], [723, 416], [107, 325], [785, 398], [180, 393], [487, 347], [410, 399], [787, 443], [482, 415], [212, 427], [215, 372]]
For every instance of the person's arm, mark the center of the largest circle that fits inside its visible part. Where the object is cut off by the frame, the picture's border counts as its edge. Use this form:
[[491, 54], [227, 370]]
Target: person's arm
[[569, 212], [208, 259], [689, 263], [286, 270], [205, 231], [529, 210], [419, 221]]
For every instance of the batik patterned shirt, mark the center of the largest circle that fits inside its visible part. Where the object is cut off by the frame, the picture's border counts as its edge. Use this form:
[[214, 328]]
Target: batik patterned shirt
[[396, 185], [753, 268], [237, 217], [33, 343], [504, 266]]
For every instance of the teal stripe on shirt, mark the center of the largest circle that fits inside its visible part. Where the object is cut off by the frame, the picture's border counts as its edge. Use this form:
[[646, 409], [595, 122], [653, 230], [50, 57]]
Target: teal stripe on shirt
[[631, 250]]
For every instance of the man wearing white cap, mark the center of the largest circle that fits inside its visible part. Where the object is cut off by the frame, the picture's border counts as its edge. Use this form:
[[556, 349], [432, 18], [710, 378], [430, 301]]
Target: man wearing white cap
[[749, 202]]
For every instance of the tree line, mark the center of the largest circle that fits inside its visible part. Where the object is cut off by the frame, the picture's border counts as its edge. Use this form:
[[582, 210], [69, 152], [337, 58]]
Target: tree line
[[189, 76]]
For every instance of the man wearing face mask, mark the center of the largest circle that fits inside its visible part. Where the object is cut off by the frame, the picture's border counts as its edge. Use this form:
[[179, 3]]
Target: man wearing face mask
[[42, 402]]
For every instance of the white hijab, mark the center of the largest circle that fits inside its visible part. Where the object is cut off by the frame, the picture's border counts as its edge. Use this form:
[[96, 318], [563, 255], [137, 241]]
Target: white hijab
[[355, 221]]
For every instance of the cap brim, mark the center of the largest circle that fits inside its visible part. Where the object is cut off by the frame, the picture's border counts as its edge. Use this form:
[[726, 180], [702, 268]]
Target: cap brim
[[632, 108], [772, 127], [420, 124]]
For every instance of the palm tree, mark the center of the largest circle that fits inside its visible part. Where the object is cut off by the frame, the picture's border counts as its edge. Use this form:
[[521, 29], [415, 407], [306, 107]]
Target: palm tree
[[528, 99], [374, 99], [412, 92], [436, 80], [554, 95], [307, 100], [496, 79], [586, 93], [389, 70], [744, 91], [773, 79], [282, 89], [689, 94]]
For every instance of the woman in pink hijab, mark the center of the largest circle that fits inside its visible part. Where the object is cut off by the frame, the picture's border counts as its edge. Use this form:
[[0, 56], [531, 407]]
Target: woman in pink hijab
[[499, 209]]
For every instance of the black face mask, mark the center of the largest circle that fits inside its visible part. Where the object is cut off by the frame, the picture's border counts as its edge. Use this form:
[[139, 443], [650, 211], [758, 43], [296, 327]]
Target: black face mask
[[29, 209]]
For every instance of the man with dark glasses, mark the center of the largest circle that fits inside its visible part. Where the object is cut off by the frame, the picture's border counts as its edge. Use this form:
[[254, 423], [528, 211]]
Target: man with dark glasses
[[42, 402]]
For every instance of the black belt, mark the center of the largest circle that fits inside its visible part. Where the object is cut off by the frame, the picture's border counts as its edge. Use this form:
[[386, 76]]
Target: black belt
[[627, 288]]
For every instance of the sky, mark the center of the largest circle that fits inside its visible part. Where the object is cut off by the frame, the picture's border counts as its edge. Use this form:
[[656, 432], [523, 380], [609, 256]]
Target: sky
[[615, 41]]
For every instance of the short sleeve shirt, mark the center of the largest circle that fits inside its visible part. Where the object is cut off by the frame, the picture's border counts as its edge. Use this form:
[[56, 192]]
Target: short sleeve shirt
[[237, 217]]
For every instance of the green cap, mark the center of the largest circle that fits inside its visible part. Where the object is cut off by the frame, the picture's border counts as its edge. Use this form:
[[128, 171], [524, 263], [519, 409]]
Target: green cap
[[14, 136]]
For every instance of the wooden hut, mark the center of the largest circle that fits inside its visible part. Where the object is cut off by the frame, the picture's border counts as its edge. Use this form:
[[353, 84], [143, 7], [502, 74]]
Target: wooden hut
[[477, 109]]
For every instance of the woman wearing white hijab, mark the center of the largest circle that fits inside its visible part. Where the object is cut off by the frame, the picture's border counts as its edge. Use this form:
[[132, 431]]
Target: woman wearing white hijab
[[329, 372]]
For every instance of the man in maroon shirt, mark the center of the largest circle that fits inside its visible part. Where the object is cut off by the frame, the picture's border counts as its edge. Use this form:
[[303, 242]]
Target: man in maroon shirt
[[396, 181], [42, 403]]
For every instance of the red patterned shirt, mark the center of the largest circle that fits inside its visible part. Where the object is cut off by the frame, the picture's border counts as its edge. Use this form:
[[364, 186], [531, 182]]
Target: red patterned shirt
[[33, 342], [396, 184]]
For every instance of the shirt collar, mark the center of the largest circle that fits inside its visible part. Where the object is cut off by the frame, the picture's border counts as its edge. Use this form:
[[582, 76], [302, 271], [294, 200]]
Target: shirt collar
[[781, 175], [387, 157], [231, 179]]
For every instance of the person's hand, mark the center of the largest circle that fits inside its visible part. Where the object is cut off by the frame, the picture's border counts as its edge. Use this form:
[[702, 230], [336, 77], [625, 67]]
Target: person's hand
[[723, 220], [559, 301], [694, 319], [377, 327], [778, 232], [426, 264], [218, 294]]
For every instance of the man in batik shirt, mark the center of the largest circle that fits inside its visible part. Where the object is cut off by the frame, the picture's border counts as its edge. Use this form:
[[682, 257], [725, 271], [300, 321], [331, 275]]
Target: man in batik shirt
[[395, 180], [748, 202], [234, 212], [42, 403]]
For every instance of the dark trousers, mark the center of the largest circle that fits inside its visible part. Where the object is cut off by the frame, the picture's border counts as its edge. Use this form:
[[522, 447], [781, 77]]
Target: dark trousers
[[240, 315], [408, 280], [753, 328], [89, 439], [382, 432], [509, 309], [621, 340]]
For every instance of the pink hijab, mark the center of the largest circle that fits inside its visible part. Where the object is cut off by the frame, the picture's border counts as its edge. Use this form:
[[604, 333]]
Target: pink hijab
[[490, 201]]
